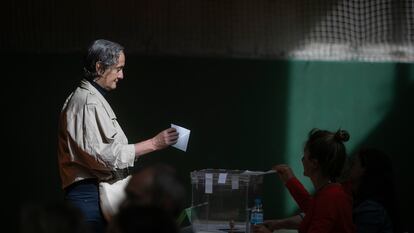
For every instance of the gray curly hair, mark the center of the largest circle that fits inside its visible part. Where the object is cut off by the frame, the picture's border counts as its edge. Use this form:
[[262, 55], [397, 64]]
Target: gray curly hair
[[103, 51]]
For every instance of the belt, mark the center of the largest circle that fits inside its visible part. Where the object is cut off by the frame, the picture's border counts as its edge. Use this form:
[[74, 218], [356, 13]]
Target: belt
[[120, 174], [93, 181]]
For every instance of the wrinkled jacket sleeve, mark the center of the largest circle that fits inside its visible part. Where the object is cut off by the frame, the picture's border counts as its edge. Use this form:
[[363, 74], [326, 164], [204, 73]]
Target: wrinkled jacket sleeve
[[104, 140]]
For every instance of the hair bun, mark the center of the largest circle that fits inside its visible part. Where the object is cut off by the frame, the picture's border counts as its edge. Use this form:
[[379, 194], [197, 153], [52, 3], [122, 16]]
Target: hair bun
[[342, 135]]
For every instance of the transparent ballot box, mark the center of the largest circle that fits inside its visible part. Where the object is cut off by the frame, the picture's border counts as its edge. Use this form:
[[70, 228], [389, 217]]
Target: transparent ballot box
[[221, 199]]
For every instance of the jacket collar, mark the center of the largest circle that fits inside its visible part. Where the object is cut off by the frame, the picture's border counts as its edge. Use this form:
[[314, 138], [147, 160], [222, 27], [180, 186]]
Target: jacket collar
[[85, 84]]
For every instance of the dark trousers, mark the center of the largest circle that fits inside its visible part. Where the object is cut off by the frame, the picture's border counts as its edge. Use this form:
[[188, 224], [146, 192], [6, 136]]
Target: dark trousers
[[85, 196]]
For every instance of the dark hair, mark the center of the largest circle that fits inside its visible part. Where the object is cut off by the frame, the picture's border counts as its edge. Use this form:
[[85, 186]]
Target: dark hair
[[157, 185], [329, 150], [377, 181], [103, 51], [60, 217], [142, 218]]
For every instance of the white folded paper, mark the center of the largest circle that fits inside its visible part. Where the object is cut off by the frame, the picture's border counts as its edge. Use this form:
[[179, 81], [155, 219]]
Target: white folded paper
[[184, 135]]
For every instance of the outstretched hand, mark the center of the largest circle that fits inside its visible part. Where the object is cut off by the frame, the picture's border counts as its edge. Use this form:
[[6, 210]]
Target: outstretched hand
[[284, 172], [165, 138]]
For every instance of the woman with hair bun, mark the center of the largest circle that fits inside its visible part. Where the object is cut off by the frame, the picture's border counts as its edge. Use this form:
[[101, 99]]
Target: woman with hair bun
[[329, 209]]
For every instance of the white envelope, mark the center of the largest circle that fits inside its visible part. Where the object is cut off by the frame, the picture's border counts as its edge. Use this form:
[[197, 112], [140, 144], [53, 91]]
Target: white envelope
[[184, 135]]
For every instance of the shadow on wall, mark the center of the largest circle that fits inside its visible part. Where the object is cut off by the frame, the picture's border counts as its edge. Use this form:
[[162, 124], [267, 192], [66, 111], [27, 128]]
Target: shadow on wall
[[395, 137]]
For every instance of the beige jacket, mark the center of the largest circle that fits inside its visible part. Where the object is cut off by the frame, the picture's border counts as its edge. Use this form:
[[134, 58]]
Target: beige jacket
[[91, 143]]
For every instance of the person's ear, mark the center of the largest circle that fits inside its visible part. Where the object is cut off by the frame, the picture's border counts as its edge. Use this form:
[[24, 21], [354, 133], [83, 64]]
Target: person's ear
[[314, 163], [98, 68]]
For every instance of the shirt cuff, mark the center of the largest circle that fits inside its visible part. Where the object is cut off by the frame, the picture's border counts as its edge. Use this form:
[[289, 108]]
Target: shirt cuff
[[127, 156]]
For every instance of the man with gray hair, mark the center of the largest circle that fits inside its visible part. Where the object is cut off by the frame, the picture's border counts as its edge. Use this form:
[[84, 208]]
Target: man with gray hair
[[92, 147]]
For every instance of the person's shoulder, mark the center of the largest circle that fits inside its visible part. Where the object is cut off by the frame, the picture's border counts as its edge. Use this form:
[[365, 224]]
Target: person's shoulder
[[91, 98], [87, 94], [82, 96], [334, 191]]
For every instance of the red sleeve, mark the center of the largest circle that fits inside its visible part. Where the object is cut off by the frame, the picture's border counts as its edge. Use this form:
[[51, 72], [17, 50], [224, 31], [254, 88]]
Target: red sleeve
[[299, 193]]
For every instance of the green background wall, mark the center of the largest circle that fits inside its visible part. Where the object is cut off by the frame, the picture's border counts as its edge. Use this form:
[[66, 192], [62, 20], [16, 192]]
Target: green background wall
[[244, 114]]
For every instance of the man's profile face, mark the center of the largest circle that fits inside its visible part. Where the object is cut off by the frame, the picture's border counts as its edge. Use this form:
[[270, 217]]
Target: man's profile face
[[113, 74]]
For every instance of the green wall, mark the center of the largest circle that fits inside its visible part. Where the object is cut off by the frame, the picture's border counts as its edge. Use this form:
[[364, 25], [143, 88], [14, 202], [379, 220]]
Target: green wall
[[244, 114], [354, 96]]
